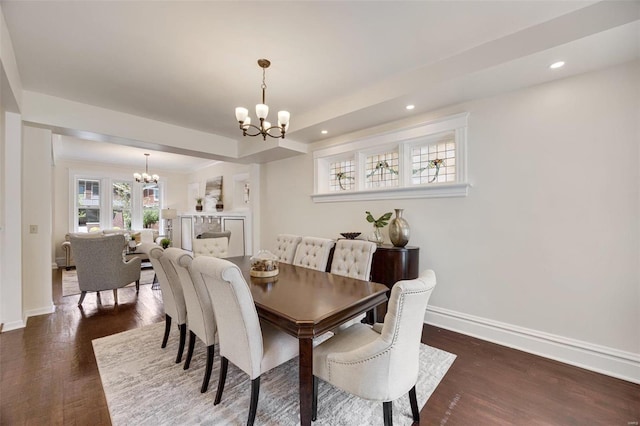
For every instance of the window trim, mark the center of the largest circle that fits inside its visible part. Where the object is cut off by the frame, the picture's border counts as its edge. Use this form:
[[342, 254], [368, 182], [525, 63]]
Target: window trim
[[106, 200], [403, 140]]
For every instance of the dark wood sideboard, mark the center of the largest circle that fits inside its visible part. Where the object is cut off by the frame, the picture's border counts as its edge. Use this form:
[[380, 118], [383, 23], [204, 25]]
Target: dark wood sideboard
[[392, 264]]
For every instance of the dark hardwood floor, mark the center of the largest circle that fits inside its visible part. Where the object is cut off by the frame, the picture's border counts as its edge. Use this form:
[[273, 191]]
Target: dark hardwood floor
[[48, 373]]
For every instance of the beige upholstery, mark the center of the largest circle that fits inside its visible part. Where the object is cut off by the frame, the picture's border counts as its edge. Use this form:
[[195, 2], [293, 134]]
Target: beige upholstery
[[352, 258], [286, 245], [252, 346], [212, 247], [175, 307], [100, 266], [216, 234], [200, 319], [380, 366], [313, 253]]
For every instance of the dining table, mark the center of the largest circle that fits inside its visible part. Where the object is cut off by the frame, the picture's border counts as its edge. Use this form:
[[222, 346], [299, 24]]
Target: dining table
[[307, 303]]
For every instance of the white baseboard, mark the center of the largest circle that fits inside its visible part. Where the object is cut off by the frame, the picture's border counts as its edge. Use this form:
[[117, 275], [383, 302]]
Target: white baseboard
[[601, 359], [40, 311], [14, 325]]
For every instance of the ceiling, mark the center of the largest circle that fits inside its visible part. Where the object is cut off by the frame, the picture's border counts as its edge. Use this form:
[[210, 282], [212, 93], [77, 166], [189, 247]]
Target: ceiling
[[339, 66]]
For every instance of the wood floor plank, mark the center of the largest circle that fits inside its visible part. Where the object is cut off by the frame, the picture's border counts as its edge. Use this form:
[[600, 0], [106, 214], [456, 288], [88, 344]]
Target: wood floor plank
[[48, 373]]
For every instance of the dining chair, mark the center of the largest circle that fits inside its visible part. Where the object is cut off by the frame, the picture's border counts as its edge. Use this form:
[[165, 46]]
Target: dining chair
[[175, 307], [379, 363], [200, 319], [253, 346], [100, 266], [286, 245], [353, 258], [215, 247], [313, 253]]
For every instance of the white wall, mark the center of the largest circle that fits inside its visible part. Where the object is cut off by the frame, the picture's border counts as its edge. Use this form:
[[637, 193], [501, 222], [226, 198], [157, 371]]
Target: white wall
[[545, 246], [37, 212], [174, 195]]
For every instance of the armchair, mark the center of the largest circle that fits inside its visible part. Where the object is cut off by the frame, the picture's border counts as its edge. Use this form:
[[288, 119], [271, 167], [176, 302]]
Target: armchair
[[100, 266]]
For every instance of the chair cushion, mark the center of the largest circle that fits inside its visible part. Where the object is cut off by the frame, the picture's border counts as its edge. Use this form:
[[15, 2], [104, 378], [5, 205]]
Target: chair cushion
[[313, 253], [212, 247]]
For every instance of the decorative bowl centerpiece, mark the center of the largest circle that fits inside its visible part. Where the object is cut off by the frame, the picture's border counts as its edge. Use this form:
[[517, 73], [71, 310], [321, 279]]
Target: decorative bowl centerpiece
[[350, 235], [264, 264]]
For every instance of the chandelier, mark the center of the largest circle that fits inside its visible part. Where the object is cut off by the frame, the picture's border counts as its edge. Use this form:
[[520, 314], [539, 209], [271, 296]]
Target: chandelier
[[262, 110], [146, 177]]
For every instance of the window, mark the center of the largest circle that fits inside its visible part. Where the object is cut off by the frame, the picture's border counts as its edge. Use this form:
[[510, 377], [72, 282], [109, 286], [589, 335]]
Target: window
[[127, 205], [418, 162]]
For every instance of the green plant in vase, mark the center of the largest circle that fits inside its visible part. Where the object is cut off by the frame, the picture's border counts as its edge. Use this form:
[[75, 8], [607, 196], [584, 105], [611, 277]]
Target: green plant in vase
[[199, 204], [165, 243], [378, 223]]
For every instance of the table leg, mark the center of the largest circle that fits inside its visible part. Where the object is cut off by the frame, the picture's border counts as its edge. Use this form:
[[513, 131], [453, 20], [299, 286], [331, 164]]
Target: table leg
[[306, 380]]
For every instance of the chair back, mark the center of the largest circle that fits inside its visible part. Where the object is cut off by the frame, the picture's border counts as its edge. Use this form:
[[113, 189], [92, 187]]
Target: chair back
[[146, 236], [200, 319], [353, 258], [172, 294], [313, 253], [239, 332], [212, 247], [286, 245], [216, 234], [402, 329], [98, 261]]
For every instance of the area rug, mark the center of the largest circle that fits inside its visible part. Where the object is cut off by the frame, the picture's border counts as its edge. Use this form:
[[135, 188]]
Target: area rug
[[70, 281], [144, 386]]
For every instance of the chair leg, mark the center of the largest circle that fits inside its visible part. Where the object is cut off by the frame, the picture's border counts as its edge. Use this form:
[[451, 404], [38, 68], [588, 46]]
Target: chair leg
[[167, 328], [314, 402], [137, 286], [192, 344], [255, 393], [224, 364], [207, 371], [84, 293], [183, 338], [99, 298], [414, 404], [388, 413], [115, 296]]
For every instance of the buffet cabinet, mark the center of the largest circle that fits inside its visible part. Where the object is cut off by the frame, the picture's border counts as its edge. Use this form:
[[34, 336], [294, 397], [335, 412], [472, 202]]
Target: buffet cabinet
[[392, 264], [192, 225]]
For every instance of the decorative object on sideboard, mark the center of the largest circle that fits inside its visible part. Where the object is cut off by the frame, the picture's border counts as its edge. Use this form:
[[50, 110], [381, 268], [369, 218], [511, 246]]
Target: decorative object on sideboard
[[219, 204], [399, 230], [350, 235], [198, 204], [379, 223], [261, 111], [146, 177]]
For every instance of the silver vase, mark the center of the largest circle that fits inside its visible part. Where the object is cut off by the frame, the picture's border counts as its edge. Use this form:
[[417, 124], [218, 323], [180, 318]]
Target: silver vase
[[399, 230]]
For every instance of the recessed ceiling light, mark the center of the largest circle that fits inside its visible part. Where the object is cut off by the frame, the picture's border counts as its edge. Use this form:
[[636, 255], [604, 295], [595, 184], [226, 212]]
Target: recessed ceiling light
[[556, 65], [410, 107], [324, 132]]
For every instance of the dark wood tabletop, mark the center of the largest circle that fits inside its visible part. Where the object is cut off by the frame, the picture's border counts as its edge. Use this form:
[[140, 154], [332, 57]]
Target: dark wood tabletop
[[307, 303]]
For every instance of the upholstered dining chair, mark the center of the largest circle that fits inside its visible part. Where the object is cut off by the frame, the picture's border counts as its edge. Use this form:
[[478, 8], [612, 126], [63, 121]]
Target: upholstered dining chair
[[175, 307], [286, 245], [353, 258], [313, 253], [100, 266], [253, 346], [379, 363], [214, 247], [200, 320]]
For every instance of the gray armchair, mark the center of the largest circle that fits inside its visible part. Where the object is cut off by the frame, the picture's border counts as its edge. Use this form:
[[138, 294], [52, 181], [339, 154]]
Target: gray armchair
[[100, 265]]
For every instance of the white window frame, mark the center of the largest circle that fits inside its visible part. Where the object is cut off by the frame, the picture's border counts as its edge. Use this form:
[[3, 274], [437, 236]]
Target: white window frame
[[403, 140], [106, 199]]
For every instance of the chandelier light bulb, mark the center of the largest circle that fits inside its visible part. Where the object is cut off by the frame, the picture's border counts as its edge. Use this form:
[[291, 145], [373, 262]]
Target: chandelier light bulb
[[262, 110], [283, 118], [241, 114], [146, 177]]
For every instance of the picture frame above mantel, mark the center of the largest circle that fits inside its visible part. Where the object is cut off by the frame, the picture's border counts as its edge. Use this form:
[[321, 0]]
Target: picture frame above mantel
[[424, 161]]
